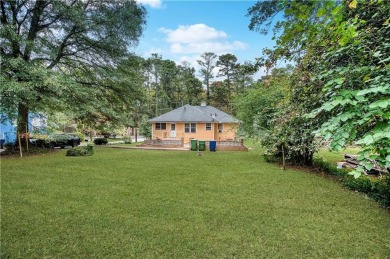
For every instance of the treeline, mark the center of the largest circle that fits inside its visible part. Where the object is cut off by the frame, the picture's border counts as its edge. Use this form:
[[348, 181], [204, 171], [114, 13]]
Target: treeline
[[73, 57], [166, 85]]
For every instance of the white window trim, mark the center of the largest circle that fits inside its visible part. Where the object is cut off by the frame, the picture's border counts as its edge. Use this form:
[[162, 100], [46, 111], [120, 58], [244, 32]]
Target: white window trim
[[190, 127]]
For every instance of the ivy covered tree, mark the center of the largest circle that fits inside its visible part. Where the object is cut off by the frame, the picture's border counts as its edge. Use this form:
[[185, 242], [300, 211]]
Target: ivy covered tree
[[355, 73], [339, 48], [57, 53]]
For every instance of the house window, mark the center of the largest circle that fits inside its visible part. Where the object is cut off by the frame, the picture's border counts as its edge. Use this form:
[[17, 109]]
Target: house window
[[161, 126], [220, 127], [190, 127], [208, 126]]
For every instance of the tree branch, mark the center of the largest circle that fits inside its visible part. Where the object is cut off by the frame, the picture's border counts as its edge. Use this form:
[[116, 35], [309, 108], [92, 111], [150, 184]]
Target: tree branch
[[62, 47], [3, 14], [34, 28]]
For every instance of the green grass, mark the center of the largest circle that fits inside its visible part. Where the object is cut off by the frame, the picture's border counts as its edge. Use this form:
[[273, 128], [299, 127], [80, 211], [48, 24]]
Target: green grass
[[123, 203], [333, 156]]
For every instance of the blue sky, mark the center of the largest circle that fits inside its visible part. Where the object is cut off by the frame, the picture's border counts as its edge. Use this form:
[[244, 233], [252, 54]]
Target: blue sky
[[183, 30]]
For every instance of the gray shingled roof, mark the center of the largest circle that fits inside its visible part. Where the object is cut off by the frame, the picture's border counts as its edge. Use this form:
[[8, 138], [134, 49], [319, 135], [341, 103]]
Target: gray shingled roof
[[189, 113]]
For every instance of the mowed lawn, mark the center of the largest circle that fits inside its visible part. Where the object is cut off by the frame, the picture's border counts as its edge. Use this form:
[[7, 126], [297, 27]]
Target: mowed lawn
[[123, 203]]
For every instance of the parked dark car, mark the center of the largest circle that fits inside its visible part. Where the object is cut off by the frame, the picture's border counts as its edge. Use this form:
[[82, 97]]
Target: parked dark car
[[64, 139]]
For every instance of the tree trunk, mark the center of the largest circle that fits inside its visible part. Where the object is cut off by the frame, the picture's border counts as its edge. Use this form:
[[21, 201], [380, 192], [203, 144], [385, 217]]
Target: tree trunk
[[22, 118], [283, 159], [22, 121], [208, 91]]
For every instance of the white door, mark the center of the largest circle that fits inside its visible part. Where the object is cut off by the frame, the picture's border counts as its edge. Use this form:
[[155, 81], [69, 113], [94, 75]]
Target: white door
[[173, 130]]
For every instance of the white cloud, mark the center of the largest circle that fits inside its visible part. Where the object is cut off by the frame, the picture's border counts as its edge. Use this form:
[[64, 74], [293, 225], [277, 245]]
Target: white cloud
[[151, 3], [201, 47], [200, 38], [193, 33]]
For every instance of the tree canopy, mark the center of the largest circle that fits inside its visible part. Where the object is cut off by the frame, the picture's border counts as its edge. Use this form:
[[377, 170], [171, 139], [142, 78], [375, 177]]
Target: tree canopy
[[56, 53], [340, 50]]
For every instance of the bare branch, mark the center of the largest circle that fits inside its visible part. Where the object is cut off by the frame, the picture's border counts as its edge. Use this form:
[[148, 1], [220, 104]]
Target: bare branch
[[3, 14]]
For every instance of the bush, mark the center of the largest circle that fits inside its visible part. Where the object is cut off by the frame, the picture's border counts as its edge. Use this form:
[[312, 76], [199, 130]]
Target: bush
[[377, 189], [127, 140], [100, 141], [80, 151], [10, 146], [40, 140], [328, 168], [294, 135]]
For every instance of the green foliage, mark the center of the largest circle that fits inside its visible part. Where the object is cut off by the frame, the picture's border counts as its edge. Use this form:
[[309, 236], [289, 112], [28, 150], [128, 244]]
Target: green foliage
[[145, 128], [127, 139], [273, 112], [100, 141], [339, 48], [219, 95], [80, 151], [227, 64], [356, 80], [58, 53], [207, 63], [377, 189], [292, 134], [328, 167], [256, 107], [41, 140], [80, 135]]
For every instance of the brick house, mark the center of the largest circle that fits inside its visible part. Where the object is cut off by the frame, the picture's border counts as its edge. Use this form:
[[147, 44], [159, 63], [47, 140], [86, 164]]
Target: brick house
[[198, 122]]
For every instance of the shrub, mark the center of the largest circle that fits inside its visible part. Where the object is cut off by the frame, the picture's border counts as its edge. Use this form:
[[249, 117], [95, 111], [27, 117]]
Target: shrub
[[377, 189], [328, 168], [127, 140], [145, 128], [100, 141], [80, 151], [10, 145], [40, 140], [293, 134]]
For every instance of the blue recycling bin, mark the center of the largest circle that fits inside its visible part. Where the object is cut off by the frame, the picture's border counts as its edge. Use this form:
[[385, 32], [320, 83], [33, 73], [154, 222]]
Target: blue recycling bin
[[213, 145]]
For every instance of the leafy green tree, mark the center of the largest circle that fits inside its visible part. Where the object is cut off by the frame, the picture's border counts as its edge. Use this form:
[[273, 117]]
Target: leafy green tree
[[257, 106], [227, 65], [169, 72], [207, 63], [301, 37], [145, 128], [219, 95], [355, 73], [341, 47], [53, 52], [243, 76], [190, 85]]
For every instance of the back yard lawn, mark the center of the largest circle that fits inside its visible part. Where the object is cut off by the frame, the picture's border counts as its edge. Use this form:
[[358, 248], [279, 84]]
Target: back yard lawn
[[123, 203], [336, 156]]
